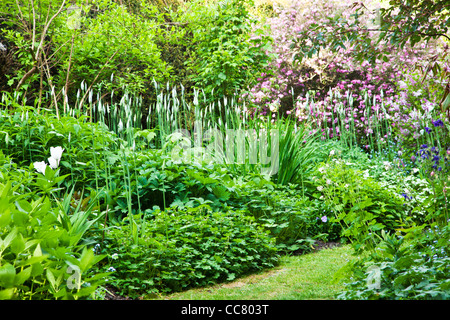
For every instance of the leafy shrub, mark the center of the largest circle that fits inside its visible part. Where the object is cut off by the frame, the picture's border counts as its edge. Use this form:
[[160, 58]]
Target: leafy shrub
[[358, 202], [42, 255], [124, 46], [331, 85], [184, 248], [26, 137], [151, 178], [401, 269], [277, 208], [292, 218], [228, 49]]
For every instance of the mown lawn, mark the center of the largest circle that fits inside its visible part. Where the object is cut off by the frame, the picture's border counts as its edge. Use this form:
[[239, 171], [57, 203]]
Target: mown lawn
[[302, 277]]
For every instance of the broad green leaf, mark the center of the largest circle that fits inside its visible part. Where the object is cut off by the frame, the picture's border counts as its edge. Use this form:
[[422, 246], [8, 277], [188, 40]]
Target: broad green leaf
[[7, 294], [24, 206], [23, 276], [7, 275], [18, 244], [5, 215], [55, 282], [8, 239], [31, 261], [20, 219]]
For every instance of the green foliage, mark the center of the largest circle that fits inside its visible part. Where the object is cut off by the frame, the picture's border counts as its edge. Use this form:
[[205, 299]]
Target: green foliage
[[282, 210], [297, 150], [153, 178], [183, 248], [25, 27], [414, 20], [229, 52], [144, 181], [42, 255], [359, 203], [402, 270], [26, 136], [123, 47]]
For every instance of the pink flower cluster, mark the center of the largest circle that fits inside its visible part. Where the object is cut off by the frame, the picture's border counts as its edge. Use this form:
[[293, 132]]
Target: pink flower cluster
[[388, 90]]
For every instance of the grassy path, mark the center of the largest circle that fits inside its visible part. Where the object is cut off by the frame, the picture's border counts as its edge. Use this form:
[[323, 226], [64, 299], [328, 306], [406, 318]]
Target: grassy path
[[302, 277]]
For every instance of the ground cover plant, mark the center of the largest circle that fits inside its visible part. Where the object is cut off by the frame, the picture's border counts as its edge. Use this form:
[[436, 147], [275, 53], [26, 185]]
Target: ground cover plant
[[149, 148]]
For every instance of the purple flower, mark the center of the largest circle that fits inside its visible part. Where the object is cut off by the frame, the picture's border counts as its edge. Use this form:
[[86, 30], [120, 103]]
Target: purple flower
[[427, 130], [404, 195], [438, 123], [324, 219]]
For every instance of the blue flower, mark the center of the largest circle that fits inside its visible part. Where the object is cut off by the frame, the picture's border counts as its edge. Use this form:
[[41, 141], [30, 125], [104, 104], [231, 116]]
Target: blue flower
[[404, 195], [438, 123], [424, 146], [427, 130]]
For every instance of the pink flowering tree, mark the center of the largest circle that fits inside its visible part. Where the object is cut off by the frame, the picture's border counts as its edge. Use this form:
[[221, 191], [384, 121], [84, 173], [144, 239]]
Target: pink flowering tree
[[333, 70]]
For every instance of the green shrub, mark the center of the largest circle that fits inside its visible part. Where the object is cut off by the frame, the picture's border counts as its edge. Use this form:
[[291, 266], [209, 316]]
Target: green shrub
[[228, 51], [359, 203], [185, 248], [151, 178], [402, 269], [42, 255], [26, 137], [294, 220], [123, 46]]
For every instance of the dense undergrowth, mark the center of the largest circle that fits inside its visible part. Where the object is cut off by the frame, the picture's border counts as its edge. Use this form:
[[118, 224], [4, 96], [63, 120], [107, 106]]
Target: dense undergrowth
[[247, 154]]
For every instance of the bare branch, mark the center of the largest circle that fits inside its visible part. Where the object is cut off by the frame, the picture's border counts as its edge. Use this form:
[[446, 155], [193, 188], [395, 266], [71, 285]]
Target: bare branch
[[47, 25]]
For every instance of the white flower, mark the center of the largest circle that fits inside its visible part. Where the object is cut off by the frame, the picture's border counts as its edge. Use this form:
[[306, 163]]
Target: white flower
[[53, 163], [329, 181], [417, 93], [55, 156], [40, 166], [320, 188], [402, 84], [331, 153], [56, 153]]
